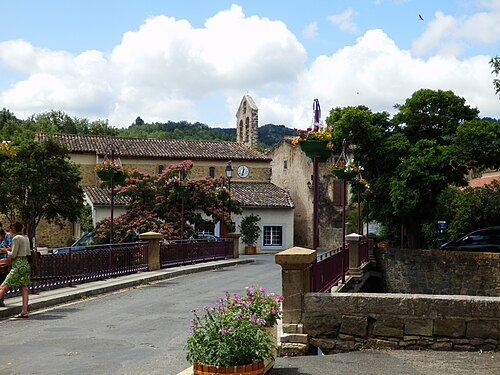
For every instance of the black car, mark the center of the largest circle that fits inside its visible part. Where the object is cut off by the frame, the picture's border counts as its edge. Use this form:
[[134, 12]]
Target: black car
[[485, 239]]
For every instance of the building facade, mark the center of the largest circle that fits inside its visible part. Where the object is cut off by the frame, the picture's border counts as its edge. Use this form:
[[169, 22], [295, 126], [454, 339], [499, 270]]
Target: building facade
[[251, 182]]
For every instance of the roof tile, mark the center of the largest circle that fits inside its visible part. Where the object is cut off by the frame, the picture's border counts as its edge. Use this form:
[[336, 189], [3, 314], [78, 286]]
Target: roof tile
[[158, 148]]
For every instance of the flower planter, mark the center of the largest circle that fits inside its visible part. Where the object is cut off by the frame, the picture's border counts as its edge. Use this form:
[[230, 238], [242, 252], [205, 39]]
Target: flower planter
[[314, 149], [250, 250], [120, 177], [341, 174], [325, 155], [105, 175], [251, 369], [358, 188]]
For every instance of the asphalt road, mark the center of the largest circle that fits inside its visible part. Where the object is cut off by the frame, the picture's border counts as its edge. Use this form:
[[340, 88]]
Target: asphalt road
[[136, 331]]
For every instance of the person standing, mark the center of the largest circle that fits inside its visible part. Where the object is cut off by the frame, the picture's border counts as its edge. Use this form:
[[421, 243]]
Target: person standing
[[4, 260], [19, 275]]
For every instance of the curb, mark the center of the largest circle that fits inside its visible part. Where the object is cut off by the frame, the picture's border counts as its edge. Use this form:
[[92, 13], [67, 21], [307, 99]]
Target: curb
[[54, 297]]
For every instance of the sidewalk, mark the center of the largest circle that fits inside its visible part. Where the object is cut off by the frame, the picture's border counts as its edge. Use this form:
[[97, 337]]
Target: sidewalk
[[58, 296]]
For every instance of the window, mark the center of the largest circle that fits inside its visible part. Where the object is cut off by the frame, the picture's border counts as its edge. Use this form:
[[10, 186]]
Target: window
[[160, 169], [285, 164], [273, 235], [211, 172]]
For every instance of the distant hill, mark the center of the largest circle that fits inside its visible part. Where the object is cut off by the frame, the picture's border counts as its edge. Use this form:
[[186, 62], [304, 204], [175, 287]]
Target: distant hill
[[269, 134]]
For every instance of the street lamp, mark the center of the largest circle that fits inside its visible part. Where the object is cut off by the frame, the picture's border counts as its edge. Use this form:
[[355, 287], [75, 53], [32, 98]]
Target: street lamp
[[229, 175]]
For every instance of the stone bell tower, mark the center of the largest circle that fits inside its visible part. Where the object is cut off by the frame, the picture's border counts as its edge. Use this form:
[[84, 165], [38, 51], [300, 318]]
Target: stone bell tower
[[247, 122]]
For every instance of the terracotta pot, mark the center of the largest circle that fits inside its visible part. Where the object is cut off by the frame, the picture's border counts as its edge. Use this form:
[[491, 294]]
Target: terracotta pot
[[256, 368], [250, 250]]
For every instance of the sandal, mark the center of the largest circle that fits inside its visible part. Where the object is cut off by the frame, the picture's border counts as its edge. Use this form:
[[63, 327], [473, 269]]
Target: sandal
[[21, 316]]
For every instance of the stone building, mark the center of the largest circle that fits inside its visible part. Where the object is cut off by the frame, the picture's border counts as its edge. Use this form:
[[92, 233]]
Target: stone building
[[251, 182], [247, 122], [292, 170]]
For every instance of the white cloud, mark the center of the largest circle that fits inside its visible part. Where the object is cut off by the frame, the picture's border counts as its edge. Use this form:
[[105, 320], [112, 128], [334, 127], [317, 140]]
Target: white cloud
[[160, 69], [163, 70], [377, 73], [310, 31], [344, 21], [448, 35]]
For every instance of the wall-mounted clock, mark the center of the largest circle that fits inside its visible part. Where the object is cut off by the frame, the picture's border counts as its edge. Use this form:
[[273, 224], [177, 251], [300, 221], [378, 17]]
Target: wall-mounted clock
[[243, 171]]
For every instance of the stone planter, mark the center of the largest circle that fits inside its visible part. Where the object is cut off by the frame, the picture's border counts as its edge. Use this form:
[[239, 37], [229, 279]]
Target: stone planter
[[251, 369], [272, 332]]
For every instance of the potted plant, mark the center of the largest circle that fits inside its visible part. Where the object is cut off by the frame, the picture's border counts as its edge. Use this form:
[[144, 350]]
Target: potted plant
[[230, 338], [250, 232]]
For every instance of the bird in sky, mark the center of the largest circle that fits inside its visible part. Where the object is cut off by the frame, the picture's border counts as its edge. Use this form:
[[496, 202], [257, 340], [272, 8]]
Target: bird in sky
[[420, 17]]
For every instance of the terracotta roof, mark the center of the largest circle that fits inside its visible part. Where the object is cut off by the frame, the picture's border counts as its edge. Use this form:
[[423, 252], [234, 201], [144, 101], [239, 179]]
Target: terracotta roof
[[102, 197], [250, 194], [261, 194], [484, 180], [158, 148]]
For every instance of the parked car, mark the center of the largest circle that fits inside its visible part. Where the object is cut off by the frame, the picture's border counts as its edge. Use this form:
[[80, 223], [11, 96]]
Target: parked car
[[86, 242], [83, 243], [485, 239], [205, 237]]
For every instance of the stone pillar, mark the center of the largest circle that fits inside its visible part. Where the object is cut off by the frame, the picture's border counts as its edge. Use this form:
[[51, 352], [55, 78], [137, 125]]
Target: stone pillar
[[153, 239], [353, 241], [295, 282], [236, 244]]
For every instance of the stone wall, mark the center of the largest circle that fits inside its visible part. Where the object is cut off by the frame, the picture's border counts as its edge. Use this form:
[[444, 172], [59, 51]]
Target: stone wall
[[439, 272], [350, 321]]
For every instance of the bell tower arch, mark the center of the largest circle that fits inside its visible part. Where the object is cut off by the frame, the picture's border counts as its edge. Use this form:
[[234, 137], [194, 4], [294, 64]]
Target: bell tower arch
[[247, 122]]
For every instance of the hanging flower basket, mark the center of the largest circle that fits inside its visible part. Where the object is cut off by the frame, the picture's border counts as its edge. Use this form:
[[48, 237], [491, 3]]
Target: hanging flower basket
[[120, 177], [105, 175], [256, 368], [342, 174], [314, 149], [325, 155], [357, 187]]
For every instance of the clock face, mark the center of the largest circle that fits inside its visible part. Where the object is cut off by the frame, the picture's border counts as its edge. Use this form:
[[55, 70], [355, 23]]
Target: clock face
[[243, 171]]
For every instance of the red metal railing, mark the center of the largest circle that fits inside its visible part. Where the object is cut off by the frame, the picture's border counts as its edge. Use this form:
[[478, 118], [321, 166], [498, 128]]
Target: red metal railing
[[102, 261], [363, 252], [176, 253], [330, 268]]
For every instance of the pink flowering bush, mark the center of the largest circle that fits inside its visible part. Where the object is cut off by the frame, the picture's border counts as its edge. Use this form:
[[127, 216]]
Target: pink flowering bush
[[157, 203], [232, 333], [257, 305]]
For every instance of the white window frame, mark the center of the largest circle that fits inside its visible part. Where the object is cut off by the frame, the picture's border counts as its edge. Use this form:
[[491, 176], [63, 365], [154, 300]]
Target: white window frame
[[264, 235]]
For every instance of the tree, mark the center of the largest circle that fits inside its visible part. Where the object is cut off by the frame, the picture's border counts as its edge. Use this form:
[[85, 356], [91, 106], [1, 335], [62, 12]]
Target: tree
[[430, 144], [495, 64], [169, 203], [39, 182]]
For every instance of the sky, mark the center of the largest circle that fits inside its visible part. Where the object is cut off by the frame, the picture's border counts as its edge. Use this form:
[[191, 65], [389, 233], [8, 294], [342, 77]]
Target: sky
[[186, 60]]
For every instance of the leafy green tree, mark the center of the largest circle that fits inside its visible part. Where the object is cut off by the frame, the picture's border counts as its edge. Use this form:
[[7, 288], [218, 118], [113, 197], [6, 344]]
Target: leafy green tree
[[429, 144], [170, 203], [469, 209], [40, 182]]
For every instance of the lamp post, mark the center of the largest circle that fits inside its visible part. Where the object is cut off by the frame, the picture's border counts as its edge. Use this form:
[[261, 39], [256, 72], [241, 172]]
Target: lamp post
[[229, 175]]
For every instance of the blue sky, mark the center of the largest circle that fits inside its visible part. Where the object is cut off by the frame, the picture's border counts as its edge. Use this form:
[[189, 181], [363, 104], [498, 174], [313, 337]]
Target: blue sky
[[194, 60]]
